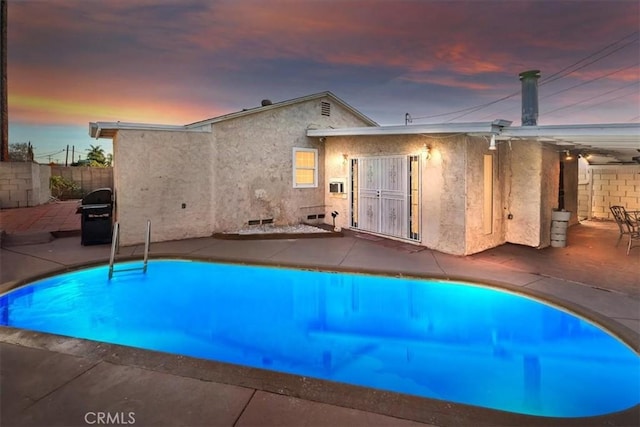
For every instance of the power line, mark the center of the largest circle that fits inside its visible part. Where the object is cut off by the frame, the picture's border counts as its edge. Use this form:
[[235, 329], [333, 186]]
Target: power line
[[49, 155], [590, 81], [559, 75], [594, 97], [553, 77], [569, 88]]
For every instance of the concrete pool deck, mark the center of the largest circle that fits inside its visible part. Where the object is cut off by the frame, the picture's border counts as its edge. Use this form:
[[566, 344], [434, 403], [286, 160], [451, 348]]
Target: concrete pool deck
[[51, 380]]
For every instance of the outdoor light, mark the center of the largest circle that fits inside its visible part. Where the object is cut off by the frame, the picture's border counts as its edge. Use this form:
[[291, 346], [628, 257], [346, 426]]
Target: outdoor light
[[334, 214], [345, 157], [426, 150], [568, 155], [492, 143]]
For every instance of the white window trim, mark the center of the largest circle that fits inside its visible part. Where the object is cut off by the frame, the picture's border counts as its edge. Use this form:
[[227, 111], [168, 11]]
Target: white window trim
[[315, 169]]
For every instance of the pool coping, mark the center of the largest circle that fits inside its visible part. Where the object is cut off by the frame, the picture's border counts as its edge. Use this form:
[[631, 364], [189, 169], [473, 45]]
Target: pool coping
[[394, 404]]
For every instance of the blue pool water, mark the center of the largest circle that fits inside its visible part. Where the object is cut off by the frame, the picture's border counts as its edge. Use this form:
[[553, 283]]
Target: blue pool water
[[450, 341]]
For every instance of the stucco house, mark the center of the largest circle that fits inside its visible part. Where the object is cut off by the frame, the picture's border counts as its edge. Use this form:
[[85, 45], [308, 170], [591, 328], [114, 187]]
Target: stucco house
[[249, 167], [459, 188]]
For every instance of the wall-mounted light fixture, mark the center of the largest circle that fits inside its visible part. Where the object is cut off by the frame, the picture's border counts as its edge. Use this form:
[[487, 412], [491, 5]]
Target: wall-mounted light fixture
[[568, 155], [492, 143], [426, 151], [345, 158]]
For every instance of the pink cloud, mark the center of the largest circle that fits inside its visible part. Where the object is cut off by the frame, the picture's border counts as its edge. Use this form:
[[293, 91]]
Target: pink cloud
[[154, 54]]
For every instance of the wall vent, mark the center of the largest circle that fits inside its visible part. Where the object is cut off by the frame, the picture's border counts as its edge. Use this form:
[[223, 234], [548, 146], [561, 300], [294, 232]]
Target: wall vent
[[312, 216], [267, 221], [325, 108], [254, 222]]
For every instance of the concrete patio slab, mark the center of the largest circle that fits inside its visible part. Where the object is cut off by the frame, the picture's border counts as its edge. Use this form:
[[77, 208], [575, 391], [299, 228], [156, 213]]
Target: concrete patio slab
[[252, 250], [325, 252], [591, 273], [34, 374], [135, 396], [269, 409]]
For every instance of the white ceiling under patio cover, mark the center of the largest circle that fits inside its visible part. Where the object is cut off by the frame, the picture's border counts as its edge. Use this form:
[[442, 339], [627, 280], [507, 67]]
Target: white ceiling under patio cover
[[605, 143]]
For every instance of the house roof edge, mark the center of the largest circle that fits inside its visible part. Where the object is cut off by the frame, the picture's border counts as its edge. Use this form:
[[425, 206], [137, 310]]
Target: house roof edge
[[281, 104]]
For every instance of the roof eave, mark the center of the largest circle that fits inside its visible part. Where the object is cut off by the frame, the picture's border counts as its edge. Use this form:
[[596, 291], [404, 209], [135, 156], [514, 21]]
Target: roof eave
[[109, 129], [485, 128]]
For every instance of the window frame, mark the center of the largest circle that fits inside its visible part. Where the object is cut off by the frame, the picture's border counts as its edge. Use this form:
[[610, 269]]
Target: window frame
[[296, 168]]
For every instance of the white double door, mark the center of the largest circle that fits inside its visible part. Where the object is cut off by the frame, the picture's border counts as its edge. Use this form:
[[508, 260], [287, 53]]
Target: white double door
[[383, 195]]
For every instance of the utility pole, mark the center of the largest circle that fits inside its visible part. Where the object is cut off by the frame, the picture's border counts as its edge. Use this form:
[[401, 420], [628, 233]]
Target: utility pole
[[66, 157], [4, 105]]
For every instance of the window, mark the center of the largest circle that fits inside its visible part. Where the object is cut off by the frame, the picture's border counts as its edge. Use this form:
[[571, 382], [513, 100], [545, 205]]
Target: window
[[305, 167]]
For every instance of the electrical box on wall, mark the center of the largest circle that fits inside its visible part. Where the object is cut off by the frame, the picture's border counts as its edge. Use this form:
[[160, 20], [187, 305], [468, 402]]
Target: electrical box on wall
[[336, 187]]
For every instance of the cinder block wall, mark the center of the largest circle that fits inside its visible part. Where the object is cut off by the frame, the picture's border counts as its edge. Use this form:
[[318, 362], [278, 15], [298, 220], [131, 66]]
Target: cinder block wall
[[24, 184], [606, 186], [584, 182], [88, 178]]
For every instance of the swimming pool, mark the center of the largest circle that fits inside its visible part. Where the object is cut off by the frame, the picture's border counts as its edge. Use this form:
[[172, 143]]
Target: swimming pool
[[451, 341]]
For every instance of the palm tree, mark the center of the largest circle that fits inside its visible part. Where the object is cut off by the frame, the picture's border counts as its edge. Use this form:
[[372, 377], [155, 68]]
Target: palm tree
[[96, 155]]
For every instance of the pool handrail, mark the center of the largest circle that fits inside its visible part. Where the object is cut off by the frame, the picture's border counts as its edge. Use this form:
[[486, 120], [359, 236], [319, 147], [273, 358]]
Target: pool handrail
[[147, 241], [115, 248]]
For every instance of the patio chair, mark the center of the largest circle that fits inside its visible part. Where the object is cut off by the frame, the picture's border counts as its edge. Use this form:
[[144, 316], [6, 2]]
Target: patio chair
[[627, 223]]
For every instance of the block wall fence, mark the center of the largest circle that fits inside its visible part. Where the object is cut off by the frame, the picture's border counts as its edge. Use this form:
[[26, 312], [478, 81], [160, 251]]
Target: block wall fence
[[602, 186], [24, 184], [88, 178]]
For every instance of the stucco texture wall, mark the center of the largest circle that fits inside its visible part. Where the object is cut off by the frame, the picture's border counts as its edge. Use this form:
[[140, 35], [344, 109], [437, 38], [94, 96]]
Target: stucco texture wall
[[155, 175], [570, 185], [254, 169], [477, 238], [451, 192], [531, 189]]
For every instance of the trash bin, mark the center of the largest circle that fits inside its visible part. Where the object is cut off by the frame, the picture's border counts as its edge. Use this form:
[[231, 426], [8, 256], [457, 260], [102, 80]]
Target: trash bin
[[96, 224]]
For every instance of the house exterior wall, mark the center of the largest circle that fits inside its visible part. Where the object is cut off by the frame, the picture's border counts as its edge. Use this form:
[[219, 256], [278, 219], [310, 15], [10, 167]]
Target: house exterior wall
[[531, 192], [241, 171], [570, 180], [361, 146], [477, 238], [584, 190], [603, 186], [550, 189], [155, 173], [254, 169], [24, 184], [451, 186]]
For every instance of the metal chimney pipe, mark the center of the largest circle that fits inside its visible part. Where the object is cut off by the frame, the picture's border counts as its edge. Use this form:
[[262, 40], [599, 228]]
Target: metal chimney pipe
[[529, 81]]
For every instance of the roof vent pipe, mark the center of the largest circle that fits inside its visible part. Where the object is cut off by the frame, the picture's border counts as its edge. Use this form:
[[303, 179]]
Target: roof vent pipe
[[529, 81], [266, 102]]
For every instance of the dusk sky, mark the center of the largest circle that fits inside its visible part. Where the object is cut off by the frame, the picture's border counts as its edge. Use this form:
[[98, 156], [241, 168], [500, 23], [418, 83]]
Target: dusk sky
[[176, 62]]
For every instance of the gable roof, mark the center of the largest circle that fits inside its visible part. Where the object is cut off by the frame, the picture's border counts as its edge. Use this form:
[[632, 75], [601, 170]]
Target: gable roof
[[246, 112], [109, 129]]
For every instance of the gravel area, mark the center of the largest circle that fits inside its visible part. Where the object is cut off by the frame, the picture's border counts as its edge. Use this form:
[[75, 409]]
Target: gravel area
[[273, 229]]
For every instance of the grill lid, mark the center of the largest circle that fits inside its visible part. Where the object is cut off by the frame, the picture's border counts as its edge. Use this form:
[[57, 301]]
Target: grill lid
[[98, 197]]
